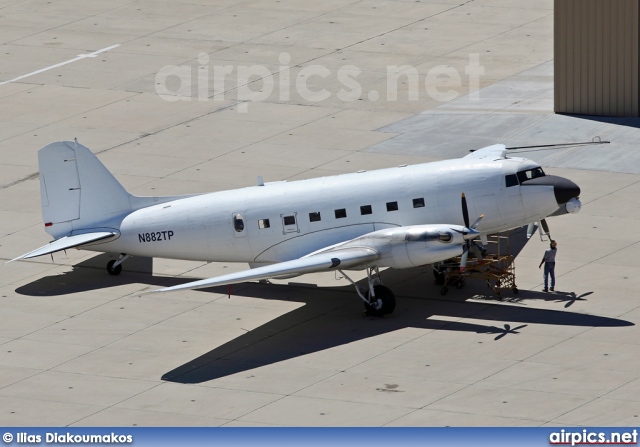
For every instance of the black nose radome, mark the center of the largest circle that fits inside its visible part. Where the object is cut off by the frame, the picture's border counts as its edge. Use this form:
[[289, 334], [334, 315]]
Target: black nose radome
[[564, 189]]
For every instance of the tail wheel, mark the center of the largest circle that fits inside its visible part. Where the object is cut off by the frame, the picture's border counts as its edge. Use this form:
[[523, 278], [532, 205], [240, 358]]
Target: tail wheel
[[384, 299], [112, 270]]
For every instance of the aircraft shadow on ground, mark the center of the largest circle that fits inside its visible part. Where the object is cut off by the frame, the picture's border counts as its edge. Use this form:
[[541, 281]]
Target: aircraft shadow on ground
[[331, 317], [329, 320]]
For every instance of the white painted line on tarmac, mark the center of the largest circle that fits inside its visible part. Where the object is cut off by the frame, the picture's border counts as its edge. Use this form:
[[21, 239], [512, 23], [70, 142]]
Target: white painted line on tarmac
[[80, 57]]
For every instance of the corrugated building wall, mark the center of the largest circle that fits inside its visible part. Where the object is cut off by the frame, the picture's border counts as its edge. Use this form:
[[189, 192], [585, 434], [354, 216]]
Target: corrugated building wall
[[596, 57]]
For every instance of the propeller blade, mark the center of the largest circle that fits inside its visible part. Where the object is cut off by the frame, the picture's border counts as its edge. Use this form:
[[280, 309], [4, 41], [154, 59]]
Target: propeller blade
[[465, 211], [543, 222], [531, 229], [477, 221], [476, 251], [465, 256]]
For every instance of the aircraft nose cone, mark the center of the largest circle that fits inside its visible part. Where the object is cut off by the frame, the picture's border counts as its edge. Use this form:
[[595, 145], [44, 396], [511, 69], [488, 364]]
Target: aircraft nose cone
[[565, 190]]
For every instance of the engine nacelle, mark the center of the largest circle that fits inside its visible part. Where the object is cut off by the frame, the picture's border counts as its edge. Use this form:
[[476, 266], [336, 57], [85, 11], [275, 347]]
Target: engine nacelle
[[424, 244]]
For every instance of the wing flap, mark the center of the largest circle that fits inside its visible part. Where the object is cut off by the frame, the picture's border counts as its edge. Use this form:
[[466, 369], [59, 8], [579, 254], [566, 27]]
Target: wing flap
[[327, 261], [67, 242]]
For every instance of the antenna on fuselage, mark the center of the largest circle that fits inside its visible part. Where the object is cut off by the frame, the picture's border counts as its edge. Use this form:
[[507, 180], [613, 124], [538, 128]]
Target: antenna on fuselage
[[594, 140]]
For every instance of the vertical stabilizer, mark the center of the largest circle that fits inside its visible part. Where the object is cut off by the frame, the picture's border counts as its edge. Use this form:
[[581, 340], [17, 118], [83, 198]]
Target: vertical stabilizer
[[77, 191]]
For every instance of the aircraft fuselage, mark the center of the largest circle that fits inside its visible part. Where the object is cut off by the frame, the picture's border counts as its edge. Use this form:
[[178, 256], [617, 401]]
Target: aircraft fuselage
[[286, 220]]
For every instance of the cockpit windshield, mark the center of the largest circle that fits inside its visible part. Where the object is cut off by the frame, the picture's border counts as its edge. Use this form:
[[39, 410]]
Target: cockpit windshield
[[529, 174]]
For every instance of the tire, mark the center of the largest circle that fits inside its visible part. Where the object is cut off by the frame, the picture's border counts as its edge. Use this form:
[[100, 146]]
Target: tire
[[439, 276], [388, 302], [113, 271]]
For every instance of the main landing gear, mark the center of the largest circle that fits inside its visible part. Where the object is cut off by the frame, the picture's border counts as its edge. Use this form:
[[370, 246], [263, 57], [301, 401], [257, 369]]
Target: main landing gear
[[114, 267], [379, 300]]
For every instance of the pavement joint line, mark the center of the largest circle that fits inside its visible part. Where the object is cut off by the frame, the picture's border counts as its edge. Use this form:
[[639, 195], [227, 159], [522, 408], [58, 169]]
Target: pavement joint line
[[480, 41], [515, 362], [145, 410], [237, 102], [106, 407], [299, 323], [334, 51], [233, 150], [51, 67], [235, 43], [419, 336], [613, 192]]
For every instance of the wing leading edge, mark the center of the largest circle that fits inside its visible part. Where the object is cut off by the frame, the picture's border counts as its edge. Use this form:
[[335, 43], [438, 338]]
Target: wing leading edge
[[321, 262]]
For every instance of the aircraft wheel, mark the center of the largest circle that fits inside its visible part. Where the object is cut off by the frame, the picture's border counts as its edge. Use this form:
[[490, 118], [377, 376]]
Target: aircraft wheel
[[439, 276], [388, 302], [112, 270]]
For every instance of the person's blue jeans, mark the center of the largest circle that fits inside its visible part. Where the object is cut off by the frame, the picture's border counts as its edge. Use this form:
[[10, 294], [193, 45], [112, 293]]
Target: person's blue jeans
[[549, 270]]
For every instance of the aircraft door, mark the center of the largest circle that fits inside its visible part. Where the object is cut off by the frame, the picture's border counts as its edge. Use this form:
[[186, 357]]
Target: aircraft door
[[239, 224]]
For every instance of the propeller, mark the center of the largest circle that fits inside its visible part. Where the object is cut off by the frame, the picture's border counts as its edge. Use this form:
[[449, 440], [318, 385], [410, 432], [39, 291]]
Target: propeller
[[470, 230]]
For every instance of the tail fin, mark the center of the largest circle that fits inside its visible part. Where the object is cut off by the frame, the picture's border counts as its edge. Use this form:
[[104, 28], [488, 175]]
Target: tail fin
[[77, 191]]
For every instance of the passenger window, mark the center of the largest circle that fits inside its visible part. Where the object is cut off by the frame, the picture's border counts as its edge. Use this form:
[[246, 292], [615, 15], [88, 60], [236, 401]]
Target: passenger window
[[341, 213], [365, 209], [418, 203], [263, 223], [392, 206], [238, 223], [289, 220], [511, 180], [314, 217]]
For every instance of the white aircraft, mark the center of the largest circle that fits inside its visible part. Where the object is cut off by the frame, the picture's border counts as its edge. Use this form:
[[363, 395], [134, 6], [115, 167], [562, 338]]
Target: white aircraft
[[400, 217]]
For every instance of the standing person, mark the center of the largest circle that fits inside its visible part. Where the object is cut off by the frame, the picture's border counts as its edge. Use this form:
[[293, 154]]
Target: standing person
[[549, 261]]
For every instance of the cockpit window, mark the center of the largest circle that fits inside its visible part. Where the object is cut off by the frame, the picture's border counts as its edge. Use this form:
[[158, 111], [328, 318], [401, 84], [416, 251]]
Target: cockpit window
[[511, 180], [529, 174]]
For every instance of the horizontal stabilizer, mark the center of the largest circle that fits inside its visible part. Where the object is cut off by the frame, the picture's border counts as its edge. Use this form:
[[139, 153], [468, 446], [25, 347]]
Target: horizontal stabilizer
[[67, 242], [322, 262]]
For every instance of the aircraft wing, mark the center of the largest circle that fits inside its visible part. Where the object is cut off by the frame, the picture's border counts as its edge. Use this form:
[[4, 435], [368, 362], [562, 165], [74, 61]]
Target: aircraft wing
[[67, 242], [321, 262]]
